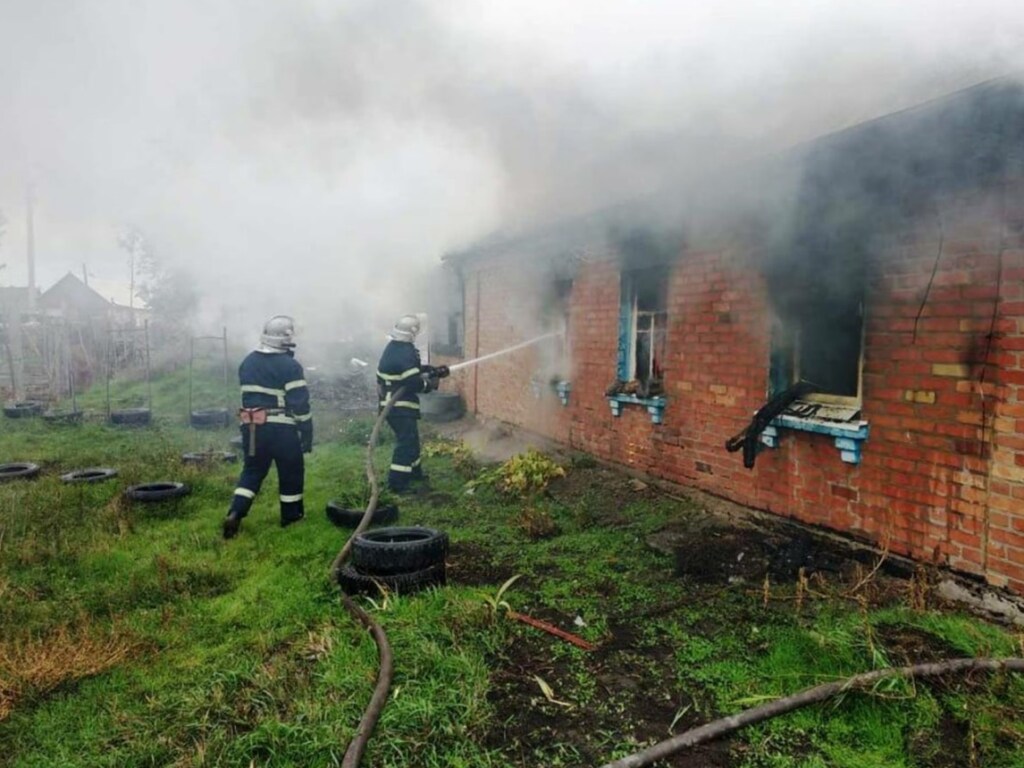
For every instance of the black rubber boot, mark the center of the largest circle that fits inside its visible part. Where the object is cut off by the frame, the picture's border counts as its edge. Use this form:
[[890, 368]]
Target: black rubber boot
[[286, 521], [231, 525]]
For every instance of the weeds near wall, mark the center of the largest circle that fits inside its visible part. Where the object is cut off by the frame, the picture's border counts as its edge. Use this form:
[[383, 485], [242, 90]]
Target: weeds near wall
[[523, 475]]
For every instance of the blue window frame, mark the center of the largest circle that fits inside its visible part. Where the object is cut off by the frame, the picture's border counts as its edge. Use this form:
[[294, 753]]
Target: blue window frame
[[643, 339], [643, 329]]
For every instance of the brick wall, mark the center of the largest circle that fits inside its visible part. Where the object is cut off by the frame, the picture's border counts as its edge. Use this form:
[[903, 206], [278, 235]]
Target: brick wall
[[942, 473]]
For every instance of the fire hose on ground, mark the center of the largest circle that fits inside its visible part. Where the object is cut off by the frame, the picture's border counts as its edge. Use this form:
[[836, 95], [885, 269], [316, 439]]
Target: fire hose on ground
[[356, 748]]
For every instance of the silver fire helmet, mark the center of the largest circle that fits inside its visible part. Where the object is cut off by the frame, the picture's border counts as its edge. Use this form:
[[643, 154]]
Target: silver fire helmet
[[406, 328], [278, 334]]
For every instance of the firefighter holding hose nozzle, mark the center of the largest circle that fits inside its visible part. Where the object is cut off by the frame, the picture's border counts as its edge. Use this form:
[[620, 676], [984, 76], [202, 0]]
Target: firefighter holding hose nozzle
[[276, 423], [400, 375]]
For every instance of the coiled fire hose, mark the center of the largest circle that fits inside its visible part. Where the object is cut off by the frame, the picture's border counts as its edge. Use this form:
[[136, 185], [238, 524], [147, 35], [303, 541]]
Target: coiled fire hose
[[356, 748]]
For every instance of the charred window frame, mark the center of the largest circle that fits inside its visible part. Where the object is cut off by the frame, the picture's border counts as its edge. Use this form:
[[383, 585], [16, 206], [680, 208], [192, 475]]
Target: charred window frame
[[643, 330], [822, 344]]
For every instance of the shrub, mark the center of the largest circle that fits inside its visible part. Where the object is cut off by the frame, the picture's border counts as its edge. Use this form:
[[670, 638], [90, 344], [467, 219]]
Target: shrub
[[522, 475]]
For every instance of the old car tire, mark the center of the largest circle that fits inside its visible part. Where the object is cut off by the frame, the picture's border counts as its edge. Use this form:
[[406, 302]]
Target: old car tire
[[441, 406], [344, 517], [353, 582], [130, 416], [398, 550], [209, 457], [90, 475], [161, 491], [210, 418], [23, 409], [18, 470]]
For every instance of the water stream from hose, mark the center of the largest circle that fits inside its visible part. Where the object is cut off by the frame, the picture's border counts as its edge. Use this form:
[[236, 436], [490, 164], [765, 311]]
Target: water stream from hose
[[500, 352]]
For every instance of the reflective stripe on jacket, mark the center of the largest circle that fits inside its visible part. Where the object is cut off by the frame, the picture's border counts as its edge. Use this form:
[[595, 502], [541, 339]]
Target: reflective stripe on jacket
[[400, 368]]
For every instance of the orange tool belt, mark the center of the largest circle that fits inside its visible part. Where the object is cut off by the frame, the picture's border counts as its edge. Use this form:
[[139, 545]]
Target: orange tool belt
[[254, 417]]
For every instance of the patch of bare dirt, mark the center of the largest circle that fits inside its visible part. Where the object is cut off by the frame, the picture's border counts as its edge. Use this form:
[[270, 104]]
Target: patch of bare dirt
[[633, 692], [910, 645], [600, 494], [471, 564]]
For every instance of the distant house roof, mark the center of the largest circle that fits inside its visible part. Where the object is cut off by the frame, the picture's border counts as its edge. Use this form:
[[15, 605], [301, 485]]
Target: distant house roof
[[71, 295], [116, 292]]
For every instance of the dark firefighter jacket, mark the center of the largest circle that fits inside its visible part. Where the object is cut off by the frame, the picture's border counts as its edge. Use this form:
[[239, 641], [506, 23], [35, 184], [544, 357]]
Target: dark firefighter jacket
[[400, 367], [275, 381]]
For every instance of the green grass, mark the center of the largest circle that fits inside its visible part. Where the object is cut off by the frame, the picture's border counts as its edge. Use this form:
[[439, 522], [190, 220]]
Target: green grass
[[241, 653]]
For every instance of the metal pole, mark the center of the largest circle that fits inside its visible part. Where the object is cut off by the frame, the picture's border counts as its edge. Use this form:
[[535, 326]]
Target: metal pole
[[71, 371], [149, 385], [30, 246], [106, 356], [191, 357], [227, 393]]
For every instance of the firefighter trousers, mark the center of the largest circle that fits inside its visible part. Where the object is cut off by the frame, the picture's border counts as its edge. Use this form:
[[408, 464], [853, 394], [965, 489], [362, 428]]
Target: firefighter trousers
[[275, 444], [405, 460]]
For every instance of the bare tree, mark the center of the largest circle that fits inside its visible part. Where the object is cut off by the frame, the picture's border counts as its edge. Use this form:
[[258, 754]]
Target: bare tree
[[3, 231], [133, 242]]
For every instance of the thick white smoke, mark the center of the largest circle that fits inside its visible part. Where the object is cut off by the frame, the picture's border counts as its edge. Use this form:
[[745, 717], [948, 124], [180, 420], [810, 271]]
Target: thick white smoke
[[317, 157]]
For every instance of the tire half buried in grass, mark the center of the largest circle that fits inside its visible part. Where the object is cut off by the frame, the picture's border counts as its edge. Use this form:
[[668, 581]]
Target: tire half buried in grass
[[23, 409], [131, 416], [160, 491], [353, 582], [210, 418], [388, 551], [90, 475], [344, 517], [18, 470]]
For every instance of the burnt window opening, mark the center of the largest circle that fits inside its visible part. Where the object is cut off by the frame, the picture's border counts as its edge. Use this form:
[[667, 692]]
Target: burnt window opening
[[644, 330], [554, 354], [447, 335], [822, 343], [560, 315]]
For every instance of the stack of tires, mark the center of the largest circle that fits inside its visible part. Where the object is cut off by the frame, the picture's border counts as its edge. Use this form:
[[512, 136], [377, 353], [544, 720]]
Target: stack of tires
[[401, 560]]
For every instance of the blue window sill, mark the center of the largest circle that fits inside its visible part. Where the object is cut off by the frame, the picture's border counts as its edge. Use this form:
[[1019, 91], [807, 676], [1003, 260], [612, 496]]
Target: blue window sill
[[654, 405], [849, 437], [562, 389]]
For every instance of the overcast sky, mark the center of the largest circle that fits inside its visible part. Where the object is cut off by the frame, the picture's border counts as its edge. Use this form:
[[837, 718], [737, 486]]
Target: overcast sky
[[310, 156]]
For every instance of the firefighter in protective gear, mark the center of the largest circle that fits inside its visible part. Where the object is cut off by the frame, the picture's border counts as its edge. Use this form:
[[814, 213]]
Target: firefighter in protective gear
[[401, 376], [276, 423]]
